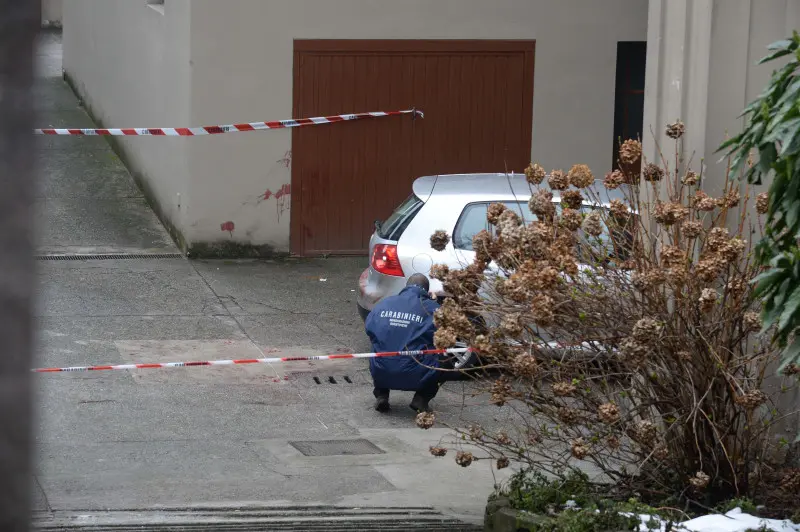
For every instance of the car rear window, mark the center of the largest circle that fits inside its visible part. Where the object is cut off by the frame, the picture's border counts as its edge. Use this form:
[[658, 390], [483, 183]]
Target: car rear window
[[394, 226]]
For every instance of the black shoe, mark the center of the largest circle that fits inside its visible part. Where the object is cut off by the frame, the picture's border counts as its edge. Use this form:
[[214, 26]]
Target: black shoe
[[382, 404], [419, 404]]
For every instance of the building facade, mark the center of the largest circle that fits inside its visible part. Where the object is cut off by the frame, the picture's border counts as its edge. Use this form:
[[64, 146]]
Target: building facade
[[501, 83]]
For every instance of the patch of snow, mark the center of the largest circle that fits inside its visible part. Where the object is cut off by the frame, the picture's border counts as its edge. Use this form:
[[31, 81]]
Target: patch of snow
[[733, 521]]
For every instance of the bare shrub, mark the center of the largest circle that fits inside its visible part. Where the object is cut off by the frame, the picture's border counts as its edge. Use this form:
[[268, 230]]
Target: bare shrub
[[628, 337]]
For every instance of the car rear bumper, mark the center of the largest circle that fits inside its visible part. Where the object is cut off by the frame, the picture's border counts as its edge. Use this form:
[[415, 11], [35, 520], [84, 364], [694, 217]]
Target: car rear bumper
[[372, 287], [362, 312]]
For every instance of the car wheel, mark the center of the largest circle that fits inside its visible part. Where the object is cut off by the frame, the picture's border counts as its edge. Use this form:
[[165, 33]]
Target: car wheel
[[463, 360]]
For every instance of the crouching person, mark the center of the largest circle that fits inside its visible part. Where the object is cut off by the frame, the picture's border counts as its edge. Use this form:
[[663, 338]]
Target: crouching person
[[405, 323]]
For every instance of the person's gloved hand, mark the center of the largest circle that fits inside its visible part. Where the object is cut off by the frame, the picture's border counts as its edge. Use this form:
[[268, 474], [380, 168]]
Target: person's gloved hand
[[436, 289]]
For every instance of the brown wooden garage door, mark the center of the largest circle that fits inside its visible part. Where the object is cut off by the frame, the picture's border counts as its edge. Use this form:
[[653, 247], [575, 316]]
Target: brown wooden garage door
[[477, 97]]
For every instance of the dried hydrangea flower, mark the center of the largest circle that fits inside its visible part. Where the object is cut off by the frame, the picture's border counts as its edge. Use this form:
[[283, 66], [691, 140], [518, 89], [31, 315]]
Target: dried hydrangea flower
[[730, 200], [558, 180], [608, 413], [652, 172], [630, 151], [790, 482], [672, 256], [535, 174], [525, 365], [752, 321], [494, 212], [700, 480], [691, 178], [618, 209], [444, 338], [464, 458], [647, 280], [425, 420], [647, 331], [440, 271], [733, 249], [707, 299], [501, 391], [692, 228], [613, 443], [613, 180], [737, 287], [661, 452], [511, 324], [717, 238], [676, 130], [593, 224], [669, 213], [752, 399], [475, 433], [571, 219], [502, 462], [572, 199], [762, 203], [438, 451], [703, 202], [645, 432], [564, 389], [633, 351], [580, 176], [569, 416], [541, 204], [450, 316], [678, 275], [482, 244], [542, 311], [579, 448], [439, 240], [502, 438], [710, 267]]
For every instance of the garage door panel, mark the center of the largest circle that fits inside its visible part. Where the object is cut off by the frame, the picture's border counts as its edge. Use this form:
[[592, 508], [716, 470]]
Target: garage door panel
[[477, 98]]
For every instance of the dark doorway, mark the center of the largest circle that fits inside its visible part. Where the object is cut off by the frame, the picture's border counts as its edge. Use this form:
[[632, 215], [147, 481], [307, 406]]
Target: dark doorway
[[629, 97]]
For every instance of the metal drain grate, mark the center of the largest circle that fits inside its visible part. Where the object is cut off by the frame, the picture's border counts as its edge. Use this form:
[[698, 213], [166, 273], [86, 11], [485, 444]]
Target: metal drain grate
[[111, 256], [336, 447]]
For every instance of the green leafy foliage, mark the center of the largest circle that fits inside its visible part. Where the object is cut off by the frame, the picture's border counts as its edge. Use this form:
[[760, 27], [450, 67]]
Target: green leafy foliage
[[747, 506], [773, 132], [571, 503]]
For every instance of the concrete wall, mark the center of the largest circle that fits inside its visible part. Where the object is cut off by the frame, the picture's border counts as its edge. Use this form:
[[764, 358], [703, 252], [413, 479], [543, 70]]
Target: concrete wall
[[130, 63], [133, 67], [51, 12], [702, 68], [702, 57], [573, 88]]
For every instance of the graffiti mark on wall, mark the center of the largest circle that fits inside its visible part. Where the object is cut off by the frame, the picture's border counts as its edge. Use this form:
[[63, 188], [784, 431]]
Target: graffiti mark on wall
[[227, 226], [281, 196]]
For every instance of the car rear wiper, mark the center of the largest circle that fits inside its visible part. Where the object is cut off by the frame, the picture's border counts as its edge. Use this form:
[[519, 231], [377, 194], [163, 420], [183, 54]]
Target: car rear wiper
[[378, 225]]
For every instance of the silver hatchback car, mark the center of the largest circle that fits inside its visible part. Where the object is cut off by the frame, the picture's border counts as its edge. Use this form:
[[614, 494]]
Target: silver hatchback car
[[400, 246]]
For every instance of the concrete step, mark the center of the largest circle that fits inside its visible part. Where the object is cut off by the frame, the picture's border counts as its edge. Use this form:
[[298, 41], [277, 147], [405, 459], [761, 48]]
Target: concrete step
[[308, 518]]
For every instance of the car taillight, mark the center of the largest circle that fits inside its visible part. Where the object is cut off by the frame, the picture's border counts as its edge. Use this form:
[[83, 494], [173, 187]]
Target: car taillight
[[385, 261]]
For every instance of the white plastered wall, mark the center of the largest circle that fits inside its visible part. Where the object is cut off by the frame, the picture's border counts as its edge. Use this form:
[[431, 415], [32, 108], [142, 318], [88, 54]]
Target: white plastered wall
[[224, 61], [130, 63]]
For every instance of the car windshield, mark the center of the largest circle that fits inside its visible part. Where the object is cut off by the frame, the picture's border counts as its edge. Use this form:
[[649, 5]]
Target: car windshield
[[394, 226]]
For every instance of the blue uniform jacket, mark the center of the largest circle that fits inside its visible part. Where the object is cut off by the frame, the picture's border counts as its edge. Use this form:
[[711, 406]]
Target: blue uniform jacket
[[403, 323]]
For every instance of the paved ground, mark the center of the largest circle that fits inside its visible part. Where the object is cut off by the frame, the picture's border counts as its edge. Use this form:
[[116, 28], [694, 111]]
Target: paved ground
[[204, 436]]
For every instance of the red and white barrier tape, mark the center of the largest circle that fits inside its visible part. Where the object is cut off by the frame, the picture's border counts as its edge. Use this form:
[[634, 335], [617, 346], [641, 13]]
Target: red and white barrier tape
[[231, 128], [251, 361]]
